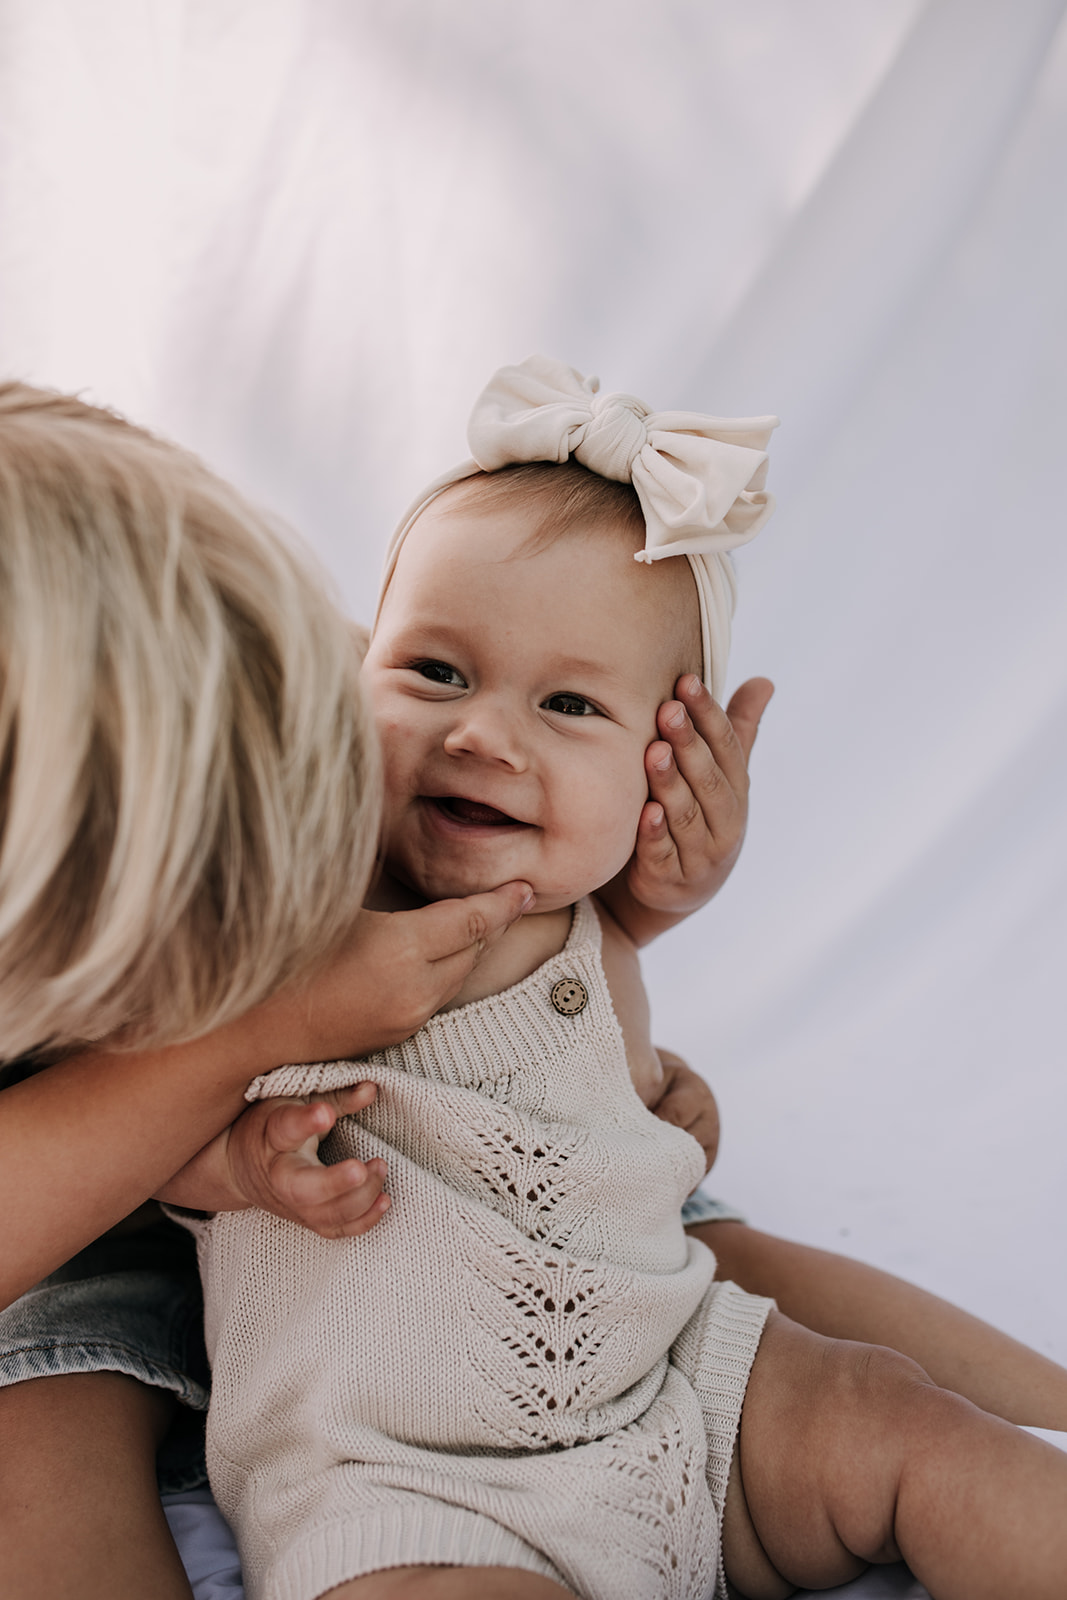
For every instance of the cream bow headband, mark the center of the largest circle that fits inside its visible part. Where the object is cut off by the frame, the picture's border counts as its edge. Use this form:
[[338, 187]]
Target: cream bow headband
[[699, 479]]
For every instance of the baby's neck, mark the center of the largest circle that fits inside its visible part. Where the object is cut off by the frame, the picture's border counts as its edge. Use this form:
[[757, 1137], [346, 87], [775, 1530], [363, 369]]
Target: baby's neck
[[520, 950]]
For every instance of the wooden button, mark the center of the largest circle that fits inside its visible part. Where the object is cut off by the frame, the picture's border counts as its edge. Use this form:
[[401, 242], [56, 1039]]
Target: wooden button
[[569, 997]]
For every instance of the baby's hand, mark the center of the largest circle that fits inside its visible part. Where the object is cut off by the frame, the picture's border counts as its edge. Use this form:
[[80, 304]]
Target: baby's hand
[[273, 1156], [692, 827], [686, 1102], [269, 1158]]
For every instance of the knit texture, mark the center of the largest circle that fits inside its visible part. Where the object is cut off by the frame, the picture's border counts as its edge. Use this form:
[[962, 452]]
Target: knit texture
[[526, 1363]]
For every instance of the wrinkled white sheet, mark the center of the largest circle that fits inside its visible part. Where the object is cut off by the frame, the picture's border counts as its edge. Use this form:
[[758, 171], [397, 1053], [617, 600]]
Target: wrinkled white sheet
[[299, 234]]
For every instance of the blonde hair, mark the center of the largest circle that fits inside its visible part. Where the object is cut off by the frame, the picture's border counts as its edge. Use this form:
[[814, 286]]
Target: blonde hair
[[188, 773], [563, 494]]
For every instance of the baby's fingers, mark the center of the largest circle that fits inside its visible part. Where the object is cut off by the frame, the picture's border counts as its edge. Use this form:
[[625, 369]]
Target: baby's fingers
[[339, 1201], [293, 1124]]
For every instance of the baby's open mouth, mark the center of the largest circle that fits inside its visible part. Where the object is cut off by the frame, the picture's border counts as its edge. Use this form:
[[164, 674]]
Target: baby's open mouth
[[473, 812]]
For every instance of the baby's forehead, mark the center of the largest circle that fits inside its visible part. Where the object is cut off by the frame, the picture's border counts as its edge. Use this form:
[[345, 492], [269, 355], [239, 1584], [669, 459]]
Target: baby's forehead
[[581, 565]]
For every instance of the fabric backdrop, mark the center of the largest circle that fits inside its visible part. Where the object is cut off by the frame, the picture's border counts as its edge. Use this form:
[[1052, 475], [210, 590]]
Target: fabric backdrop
[[299, 236]]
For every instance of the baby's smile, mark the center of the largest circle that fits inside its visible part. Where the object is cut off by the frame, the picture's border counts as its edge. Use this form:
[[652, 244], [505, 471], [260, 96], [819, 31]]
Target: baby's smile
[[459, 812]]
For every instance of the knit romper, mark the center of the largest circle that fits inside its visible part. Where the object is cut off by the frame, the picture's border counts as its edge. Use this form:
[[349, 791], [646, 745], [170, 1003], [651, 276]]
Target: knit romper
[[526, 1363]]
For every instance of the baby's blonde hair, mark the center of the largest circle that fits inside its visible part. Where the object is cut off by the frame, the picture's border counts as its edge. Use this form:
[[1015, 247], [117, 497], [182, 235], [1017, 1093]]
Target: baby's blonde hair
[[188, 773]]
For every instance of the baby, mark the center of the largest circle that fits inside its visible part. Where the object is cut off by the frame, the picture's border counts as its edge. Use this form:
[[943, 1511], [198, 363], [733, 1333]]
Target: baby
[[527, 1365]]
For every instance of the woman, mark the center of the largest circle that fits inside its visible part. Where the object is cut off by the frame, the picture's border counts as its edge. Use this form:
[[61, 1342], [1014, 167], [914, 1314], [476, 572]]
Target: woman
[[188, 803]]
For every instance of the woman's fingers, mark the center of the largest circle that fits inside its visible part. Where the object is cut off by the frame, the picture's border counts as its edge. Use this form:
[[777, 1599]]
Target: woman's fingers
[[706, 747], [396, 969], [687, 1102], [698, 780], [453, 936], [451, 928], [746, 708], [695, 803]]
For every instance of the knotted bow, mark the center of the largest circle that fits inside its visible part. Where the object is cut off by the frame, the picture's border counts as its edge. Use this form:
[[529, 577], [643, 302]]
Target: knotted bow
[[700, 480]]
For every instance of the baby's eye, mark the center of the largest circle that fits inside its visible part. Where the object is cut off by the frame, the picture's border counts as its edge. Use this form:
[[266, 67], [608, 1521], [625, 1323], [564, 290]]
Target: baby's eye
[[570, 705], [440, 672]]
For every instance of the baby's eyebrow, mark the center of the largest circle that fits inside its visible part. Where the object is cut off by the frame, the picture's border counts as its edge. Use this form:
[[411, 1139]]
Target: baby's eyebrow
[[583, 667], [420, 635]]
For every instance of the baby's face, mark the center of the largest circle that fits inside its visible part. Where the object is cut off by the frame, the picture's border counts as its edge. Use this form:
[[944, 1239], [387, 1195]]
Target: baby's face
[[515, 695]]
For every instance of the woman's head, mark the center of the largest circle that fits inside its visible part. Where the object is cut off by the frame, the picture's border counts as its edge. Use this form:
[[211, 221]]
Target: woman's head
[[188, 784]]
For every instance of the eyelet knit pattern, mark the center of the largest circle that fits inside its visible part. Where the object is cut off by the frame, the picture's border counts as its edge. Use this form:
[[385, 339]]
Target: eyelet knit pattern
[[526, 1363]]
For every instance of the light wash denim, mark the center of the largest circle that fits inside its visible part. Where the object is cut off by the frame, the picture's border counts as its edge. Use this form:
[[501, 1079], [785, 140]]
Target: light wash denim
[[128, 1303]]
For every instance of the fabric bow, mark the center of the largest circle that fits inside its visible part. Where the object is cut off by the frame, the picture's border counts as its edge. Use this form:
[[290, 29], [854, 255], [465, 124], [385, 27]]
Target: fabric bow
[[700, 480]]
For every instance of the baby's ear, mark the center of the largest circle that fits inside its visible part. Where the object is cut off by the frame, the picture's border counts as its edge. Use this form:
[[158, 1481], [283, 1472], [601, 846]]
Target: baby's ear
[[361, 635]]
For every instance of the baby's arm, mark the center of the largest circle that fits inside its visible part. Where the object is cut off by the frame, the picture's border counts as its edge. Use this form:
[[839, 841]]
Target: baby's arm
[[692, 827], [686, 1101]]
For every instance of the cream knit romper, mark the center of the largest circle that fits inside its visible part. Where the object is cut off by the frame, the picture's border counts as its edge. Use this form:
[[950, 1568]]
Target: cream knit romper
[[526, 1363]]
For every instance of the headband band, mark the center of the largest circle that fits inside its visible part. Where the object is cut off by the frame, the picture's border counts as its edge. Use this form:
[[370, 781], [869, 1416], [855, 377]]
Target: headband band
[[700, 480]]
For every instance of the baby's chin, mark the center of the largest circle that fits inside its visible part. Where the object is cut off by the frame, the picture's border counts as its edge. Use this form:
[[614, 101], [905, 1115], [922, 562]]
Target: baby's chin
[[542, 901], [446, 886]]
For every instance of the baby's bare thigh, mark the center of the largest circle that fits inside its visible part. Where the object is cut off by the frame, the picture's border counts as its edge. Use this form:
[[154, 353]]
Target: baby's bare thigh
[[824, 1431], [451, 1583]]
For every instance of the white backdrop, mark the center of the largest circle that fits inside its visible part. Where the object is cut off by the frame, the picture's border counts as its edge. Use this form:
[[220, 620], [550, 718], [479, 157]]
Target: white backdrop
[[299, 234]]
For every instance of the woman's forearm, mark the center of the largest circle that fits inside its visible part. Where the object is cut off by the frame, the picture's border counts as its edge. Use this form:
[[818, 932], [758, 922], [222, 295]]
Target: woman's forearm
[[86, 1141]]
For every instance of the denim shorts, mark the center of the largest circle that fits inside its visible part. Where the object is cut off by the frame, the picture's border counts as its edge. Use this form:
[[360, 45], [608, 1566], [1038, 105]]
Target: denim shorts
[[701, 1207], [130, 1302]]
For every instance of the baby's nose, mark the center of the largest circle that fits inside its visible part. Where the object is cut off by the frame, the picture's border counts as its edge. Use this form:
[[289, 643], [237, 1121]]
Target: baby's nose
[[489, 733]]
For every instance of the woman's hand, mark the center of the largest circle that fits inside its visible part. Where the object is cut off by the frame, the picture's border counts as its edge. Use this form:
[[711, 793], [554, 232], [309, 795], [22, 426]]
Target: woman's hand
[[269, 1158], [693, 824], [396, 969]]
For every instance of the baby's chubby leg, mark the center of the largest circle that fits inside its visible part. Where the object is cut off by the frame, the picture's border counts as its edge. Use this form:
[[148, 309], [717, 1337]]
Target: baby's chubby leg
[[848, 1454]]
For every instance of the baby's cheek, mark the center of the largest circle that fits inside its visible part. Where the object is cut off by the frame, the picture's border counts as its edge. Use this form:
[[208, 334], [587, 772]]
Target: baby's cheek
[[613, 833], [400, 742]]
